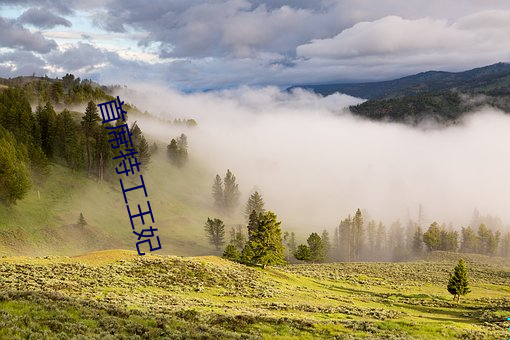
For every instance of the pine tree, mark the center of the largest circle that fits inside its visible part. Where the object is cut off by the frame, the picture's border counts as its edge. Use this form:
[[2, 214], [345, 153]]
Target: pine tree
[[217, 193], [316, 247], [418, 241], [247, 254], [215, 230], [231, 253], [357, 234], [14, 175], [381, 246], [432, 237], [345, 232], [231, 192], [470, 242], [458, 283], [237, 237], [89, 122], [303, 253], [141, 146], [266, 241], [177, 151], [326, 243], [255, 203], [81, 221], [253, 224]]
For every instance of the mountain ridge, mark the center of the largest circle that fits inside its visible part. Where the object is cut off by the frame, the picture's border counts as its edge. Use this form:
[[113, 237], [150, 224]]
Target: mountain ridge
[[491, 78]]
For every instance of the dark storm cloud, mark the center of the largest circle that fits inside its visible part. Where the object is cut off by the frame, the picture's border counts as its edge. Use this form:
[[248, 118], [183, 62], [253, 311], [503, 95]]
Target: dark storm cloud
[[42, 18], [16, 36]]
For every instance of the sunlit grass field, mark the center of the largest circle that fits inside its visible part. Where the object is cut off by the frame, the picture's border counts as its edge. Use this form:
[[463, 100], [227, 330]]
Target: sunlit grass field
[[120, 294]]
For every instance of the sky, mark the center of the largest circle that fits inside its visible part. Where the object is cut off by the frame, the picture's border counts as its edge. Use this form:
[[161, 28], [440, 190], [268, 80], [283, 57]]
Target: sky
[[194, 45]]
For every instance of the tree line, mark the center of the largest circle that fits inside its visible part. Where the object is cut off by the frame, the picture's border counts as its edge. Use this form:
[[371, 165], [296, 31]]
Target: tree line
[[357, 240]]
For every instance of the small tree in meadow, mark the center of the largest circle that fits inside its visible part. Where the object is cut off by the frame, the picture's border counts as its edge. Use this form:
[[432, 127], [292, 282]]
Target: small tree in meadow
[[458, 284]]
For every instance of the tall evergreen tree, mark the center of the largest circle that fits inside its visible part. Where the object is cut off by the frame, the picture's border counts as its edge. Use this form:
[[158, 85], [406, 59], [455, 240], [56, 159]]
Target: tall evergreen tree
[[255, 203], [357, 234], [237, 237], [88, 123], [266, 241], [215, 231], [217, 193], [326, 243], [66, 138], [418, 241], [458, 283], [14, 175], [230, 192], [316, 247], [289, 240], [141, 146], [381, 246], [469, 241], [46, 117], [345, 231]]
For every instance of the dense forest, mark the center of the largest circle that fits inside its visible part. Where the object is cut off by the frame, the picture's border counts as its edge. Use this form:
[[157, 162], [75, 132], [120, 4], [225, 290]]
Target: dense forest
[[77, 140]]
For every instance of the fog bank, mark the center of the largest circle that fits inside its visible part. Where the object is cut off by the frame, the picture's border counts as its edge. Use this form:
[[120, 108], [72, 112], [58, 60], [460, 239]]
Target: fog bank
[[315, 163]]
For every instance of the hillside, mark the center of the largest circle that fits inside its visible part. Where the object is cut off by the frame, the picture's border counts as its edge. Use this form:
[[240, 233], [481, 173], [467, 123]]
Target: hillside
[[45, 222], [443, 97], [488, 79], [117, 293]]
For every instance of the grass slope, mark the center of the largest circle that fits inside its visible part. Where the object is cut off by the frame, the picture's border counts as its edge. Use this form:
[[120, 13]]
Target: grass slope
[[45, 221], [112, 294]]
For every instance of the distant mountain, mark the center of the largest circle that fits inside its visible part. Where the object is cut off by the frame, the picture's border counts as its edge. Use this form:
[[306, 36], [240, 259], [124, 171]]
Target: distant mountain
[[493, 79]]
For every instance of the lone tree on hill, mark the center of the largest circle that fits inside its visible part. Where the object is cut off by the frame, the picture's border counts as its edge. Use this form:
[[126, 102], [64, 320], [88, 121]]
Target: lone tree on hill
[[266, 242], [215, 230], [81, 221], [458, 284]]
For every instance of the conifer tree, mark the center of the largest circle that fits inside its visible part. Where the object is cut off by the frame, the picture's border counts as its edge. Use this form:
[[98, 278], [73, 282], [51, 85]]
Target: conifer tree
[[432, 237], [255, 203], [215, 231], [458, 284], [418, 241], [231, 253], [326, 243], [231, 192], [357, 234], [303, 253], [316, 247], [81, 220], [89, 122], [217, 192], [266, 241], [14, 175]]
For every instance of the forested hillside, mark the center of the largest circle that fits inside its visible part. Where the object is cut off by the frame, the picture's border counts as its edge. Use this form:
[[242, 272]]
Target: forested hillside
[[443, 97]]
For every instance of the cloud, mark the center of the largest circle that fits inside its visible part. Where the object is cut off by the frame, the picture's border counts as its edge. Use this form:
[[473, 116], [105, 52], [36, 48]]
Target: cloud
[[21, 62], [314, 163], [477, 39], [81, 56], [42, 18], [15, 36]]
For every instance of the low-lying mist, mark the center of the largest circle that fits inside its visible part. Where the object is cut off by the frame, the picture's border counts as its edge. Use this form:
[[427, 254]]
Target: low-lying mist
[[315, 163]]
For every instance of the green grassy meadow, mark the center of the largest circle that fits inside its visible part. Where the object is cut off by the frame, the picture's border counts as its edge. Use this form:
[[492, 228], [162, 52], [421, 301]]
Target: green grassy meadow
[[118, 294]]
